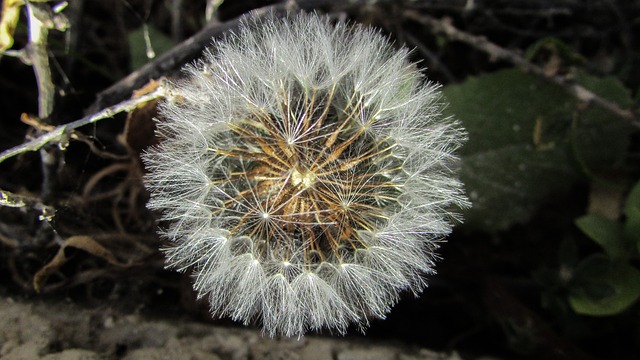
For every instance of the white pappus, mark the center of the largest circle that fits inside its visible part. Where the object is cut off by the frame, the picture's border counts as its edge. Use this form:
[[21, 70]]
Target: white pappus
[[306, 174]]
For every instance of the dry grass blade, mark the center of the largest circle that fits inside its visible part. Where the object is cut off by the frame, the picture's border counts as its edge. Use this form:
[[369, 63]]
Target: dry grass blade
[[81, 242]]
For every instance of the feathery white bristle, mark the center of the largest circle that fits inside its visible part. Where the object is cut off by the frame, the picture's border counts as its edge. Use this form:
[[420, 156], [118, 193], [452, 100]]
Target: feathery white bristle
[[307, 175]]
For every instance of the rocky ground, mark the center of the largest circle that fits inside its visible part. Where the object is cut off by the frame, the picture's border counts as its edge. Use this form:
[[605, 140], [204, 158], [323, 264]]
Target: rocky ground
[[64, 331]]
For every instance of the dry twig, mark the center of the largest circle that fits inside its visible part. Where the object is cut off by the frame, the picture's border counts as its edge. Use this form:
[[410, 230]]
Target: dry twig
[[62, 132], [41, 19], [13, 200], [191, 48], [499, 53]]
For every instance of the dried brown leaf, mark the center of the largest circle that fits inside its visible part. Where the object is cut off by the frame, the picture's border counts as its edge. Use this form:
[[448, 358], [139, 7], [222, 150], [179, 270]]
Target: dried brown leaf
[[8, 22], [82, 242], [139, 130]]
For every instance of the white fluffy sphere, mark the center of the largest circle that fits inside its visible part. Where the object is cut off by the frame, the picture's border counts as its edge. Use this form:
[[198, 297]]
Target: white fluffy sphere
[[306, 174]]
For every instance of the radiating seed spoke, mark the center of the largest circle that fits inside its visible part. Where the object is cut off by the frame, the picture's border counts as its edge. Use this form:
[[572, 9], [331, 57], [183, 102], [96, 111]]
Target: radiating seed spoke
[[309, 173]]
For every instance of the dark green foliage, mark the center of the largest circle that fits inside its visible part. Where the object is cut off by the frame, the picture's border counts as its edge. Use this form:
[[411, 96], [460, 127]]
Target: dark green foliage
[[530, 141], [606, 283]]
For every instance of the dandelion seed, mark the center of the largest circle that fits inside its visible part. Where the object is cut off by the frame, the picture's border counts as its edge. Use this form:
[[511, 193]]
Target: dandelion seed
[[306, 174]]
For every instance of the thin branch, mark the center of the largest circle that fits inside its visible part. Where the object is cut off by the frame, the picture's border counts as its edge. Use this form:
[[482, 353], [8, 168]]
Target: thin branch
[[41, 19], [39, 25], [192, 47], [176, 19], [161, 66], [61, 133], [13, 200], [211, 10], [499, 53], [430, 56]]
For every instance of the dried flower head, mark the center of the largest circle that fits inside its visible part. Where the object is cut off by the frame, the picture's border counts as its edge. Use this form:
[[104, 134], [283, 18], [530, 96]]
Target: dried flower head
[[306, 175]]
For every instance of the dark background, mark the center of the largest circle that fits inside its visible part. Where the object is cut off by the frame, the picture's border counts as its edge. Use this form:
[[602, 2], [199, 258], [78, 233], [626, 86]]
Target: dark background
[[499, 293]]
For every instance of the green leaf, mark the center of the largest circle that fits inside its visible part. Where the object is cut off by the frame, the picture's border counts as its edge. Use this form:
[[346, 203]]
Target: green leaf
[[607, 233], [529, 141], [632, 212], [559, 47], [601, 140], [142, 50], [509, 184], [609, 290]]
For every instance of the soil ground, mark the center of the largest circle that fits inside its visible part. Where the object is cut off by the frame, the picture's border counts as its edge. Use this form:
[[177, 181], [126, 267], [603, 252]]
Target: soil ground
[[65, 331]]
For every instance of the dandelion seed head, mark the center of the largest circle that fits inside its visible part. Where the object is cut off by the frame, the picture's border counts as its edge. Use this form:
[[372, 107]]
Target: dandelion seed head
[[307, 175]]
